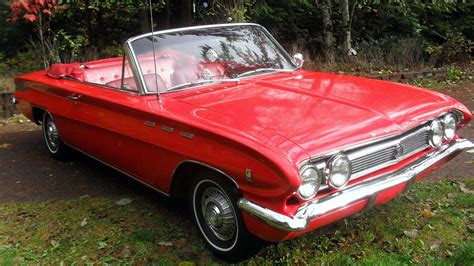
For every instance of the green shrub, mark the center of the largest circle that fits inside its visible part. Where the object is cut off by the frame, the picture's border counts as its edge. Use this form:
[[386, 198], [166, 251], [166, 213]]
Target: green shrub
[[24, 62], [454, 74], [391, 51]]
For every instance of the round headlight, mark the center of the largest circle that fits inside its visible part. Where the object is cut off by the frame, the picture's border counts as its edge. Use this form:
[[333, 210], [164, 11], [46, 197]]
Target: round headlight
[[340, 169], [449, 122], [436, 133], [310, 182]]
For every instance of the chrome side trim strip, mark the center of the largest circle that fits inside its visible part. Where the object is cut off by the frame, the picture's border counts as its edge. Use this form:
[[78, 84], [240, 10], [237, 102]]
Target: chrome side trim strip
[[186, 134], [149, 123], [363, 190], [120, 171], [167, 129]]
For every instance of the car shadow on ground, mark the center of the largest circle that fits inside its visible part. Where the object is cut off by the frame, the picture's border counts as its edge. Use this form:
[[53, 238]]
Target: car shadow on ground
[[29, 174]]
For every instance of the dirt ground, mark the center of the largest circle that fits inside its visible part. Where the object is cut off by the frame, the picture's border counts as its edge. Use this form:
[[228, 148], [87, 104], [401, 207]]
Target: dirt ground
[[28, 173]]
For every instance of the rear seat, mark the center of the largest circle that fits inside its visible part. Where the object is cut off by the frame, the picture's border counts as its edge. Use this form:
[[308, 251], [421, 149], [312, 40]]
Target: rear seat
[[105, 72], [109, 72]]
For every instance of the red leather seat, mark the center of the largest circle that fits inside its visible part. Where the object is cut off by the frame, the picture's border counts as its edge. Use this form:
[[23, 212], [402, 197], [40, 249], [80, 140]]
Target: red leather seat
[[195, 72], [168, 74], [165, 72]]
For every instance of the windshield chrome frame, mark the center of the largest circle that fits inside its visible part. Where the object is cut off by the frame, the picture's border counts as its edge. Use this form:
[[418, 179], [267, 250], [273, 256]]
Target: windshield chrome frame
[[141, 81]]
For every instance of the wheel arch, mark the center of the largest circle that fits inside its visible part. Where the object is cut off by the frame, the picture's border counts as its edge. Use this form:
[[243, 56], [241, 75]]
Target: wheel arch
[[184, 173], [38, 114]]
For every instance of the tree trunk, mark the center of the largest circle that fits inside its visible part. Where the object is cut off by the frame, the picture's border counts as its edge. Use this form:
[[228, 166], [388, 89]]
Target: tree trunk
[[233, 3], [328, 31], [41, 35], [347, 26], [166, 16], [186, 12], [144, 14]]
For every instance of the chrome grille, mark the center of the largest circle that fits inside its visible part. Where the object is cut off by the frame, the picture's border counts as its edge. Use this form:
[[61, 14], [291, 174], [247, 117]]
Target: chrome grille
[[388, 152], [373, 159], [415, 142]]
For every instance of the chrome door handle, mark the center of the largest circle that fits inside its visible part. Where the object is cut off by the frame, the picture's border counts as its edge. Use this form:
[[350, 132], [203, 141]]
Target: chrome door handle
[[74, 96]]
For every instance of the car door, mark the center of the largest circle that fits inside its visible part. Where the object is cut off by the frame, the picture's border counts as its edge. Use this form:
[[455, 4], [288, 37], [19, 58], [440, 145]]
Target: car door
[[105, 123]]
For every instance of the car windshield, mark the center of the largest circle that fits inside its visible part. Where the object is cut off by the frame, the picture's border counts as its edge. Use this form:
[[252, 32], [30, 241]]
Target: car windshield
[[182, 59]]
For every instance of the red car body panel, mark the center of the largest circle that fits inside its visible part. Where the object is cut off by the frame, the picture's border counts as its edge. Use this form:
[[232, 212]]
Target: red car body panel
[[270, 123]]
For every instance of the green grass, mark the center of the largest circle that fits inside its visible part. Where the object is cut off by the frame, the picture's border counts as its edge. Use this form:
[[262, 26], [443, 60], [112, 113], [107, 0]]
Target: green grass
[[97, 230]]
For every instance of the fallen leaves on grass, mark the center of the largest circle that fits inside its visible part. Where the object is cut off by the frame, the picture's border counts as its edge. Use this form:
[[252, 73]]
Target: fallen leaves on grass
[[124, 201], [84, 222], [427, 213], [181, 242], [464, 189], [470, 227], [434, 245], [165, 244], [412, 233], [5, 146], [54, 243], [126, 252], [102, 245], [187, 263]]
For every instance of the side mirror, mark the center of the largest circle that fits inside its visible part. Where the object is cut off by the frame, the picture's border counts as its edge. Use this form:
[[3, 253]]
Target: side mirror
[[298, 59]]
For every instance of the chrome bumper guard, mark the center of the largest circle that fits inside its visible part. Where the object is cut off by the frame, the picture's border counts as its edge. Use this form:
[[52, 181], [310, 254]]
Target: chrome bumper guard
[[365, 190]]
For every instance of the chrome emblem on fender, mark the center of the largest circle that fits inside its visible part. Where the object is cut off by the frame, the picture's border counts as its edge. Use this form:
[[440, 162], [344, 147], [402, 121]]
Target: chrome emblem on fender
[[248, 174]]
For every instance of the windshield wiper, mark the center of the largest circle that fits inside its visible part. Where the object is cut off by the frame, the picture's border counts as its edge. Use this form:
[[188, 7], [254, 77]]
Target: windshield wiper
[[264, 69], [196, 82]]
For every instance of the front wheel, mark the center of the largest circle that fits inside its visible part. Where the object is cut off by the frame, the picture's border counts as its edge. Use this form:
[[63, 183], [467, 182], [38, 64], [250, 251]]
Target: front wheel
[[214, 206]]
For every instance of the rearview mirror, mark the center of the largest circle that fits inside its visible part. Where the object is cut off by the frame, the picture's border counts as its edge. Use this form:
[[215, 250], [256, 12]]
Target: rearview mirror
[[298, 59]]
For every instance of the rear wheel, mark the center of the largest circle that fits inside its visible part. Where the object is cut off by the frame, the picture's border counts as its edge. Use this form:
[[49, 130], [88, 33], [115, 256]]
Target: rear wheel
[[214, 205], [55, 145]]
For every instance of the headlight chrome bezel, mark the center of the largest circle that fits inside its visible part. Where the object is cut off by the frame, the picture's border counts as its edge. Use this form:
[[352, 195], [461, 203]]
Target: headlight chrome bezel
[[330, 170], [436, 133], [449, 120], [316, 182]]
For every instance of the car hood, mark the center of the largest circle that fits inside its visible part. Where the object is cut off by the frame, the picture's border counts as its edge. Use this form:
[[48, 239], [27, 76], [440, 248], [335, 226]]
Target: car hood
[[320, 112]]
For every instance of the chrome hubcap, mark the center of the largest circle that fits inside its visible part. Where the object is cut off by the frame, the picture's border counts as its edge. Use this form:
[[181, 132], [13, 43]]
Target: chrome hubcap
[[218, 214], [52, 135]]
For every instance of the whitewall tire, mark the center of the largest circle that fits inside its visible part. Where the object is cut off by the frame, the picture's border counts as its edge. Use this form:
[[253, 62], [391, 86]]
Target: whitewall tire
[[213, 202]]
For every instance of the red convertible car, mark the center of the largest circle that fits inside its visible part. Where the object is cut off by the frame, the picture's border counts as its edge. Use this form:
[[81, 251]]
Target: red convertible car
[[223, 117]]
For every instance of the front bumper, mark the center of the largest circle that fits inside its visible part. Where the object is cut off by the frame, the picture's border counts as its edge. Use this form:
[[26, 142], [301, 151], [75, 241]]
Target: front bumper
[[365, 190]]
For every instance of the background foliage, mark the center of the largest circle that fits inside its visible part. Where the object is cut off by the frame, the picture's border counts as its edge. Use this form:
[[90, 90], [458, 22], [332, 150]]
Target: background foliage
[[384, 32]]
